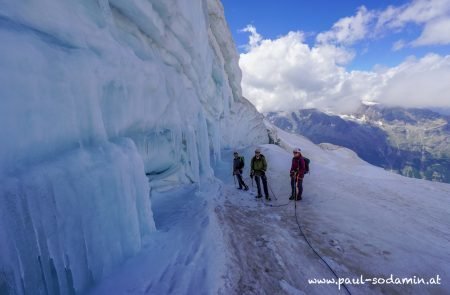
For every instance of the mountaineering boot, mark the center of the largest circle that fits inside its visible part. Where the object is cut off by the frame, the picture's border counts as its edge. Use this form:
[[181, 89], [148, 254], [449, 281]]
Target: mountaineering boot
[[268, 198], [239, 187], [246, 188], [291, 197], [258, 196]]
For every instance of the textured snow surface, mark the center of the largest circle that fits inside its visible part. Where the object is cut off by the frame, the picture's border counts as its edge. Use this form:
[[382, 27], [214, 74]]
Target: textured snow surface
[[94, 95], [361, 219], [185, 255]]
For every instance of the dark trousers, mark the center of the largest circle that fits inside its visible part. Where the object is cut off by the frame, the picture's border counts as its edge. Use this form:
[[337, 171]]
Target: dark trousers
[[241, 181], [299, 187], [258, 185]]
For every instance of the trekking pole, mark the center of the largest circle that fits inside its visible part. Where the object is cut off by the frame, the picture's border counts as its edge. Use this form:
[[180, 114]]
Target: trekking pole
[[270, 188], [296, 190]]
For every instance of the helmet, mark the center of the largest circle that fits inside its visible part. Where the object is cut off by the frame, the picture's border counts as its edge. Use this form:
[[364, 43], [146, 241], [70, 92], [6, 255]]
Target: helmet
[[257, 150], [297, 150]]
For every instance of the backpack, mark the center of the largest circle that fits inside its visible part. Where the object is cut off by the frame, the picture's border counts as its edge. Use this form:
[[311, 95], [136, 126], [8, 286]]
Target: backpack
[[241, 162], [306, 164]]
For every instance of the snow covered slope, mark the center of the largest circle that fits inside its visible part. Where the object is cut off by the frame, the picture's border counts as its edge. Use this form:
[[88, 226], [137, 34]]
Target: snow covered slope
[[363, 221], [411, 142], [95, 94]]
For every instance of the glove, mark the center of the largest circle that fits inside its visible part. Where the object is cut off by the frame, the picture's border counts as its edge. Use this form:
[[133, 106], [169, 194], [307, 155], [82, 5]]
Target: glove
[[292, 173], [252, 173]]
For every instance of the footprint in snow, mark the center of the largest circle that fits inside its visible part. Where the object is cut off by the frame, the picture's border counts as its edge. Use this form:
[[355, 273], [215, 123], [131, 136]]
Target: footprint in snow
[[335, 244]]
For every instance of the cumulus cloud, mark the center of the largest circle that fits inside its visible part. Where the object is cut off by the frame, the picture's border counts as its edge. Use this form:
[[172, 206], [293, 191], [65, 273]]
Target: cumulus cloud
[[435, 32], [418, 11], [288, 74], [417, 83], [254, 38], [350, 29], [432, 15]]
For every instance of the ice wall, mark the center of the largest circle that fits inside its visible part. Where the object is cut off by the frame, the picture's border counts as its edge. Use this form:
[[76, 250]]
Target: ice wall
[[67, 222], [240, 122], [94, 94]]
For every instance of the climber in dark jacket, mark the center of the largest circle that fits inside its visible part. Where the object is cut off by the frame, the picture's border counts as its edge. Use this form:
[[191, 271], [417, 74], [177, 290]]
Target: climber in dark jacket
[[238, 164], [258, 170], [297, 173]]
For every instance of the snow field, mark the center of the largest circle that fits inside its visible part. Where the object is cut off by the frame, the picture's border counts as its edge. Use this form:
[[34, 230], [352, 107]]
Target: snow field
[[186, 253], [223, 241]]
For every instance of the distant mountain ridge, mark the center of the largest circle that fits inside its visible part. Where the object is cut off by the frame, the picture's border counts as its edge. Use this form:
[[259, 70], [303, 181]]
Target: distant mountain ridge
[[411, 142]]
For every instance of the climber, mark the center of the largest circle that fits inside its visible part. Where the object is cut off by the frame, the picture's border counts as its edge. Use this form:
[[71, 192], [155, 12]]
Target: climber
[[258, 170], [297, 173], [238, 165]]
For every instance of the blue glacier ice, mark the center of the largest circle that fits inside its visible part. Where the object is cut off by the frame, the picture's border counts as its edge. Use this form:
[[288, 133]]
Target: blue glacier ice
[[100, 101]]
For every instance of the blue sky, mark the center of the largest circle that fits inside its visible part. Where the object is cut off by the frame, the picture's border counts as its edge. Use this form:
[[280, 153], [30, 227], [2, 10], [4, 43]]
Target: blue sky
[[274, 18], [333, 55]]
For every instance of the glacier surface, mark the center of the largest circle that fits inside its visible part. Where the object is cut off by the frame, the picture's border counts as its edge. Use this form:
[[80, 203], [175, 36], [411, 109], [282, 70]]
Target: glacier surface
[[94, 96]]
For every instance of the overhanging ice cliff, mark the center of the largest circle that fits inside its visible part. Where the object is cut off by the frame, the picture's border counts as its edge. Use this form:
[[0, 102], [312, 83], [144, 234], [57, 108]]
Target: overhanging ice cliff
[[94, 95]]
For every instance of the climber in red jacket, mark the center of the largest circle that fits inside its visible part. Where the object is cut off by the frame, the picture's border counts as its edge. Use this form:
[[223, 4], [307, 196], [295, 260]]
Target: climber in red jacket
[[297, 173]]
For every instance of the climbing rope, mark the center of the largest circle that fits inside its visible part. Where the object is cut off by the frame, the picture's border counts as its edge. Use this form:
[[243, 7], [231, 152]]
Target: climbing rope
[[312, 248], [301, 231], [273, 205], [273, 194]]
